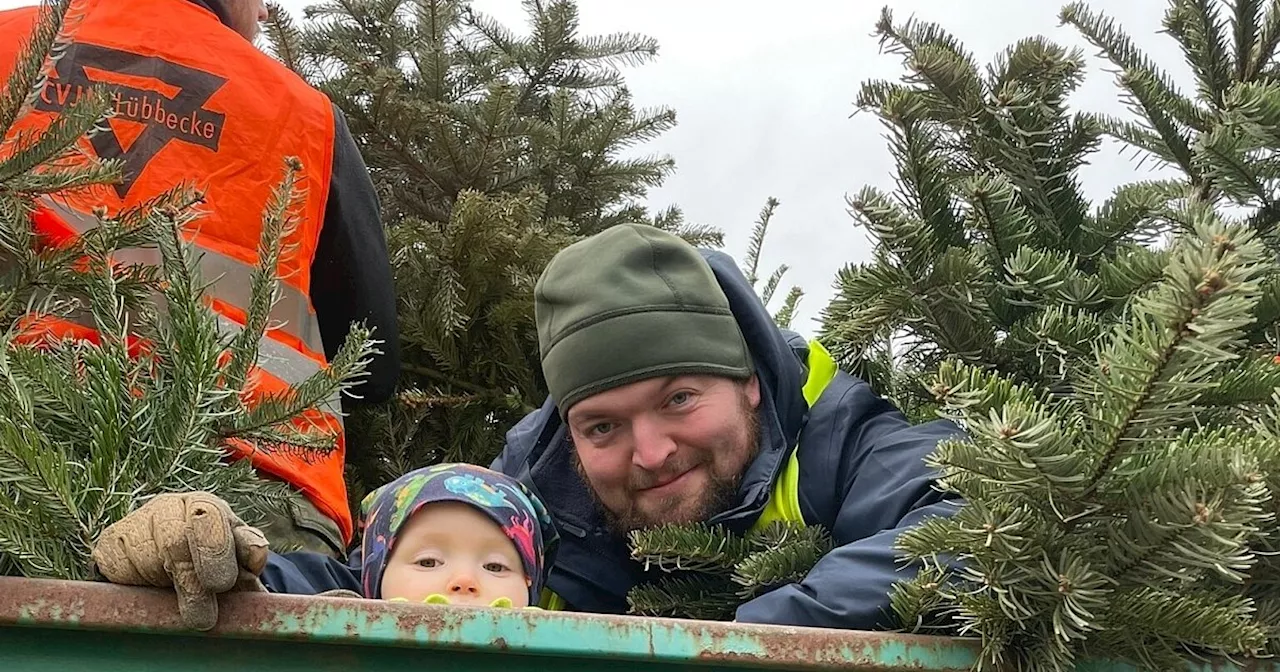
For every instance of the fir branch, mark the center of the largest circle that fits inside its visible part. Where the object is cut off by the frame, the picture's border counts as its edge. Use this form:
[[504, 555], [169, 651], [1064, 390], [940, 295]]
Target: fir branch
[[1214, 620], [870, 301], [53, 179], [28, 468], [786, 313], [1146, 381], [1268, 39], [913, 36], [278, 222], [1224, 157], [975, 392], [700, 597], [900, 233], [698, 235], [697, 547], [918, 604], [1061, 339], [1043, 277], [1268, 312], [452, 382], [1102, 32], [1245, 17], [784, 554], [771, 285], [1193, 508], [81, 117], [1197, 25], [1252, 381], [1133, 214], [752, 260], [286, 40], [347, 365], [1132, 273], [996, 212], [29, 74]]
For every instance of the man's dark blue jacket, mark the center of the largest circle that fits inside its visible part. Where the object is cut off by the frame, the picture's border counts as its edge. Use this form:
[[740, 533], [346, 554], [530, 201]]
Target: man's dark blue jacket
[[862, 477]]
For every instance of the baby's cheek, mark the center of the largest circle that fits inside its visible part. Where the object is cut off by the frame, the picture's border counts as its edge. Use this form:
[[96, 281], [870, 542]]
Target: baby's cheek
[[399, 583], [517, 588]]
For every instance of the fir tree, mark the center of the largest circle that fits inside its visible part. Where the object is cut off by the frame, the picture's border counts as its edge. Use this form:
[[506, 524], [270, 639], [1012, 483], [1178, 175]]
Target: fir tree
[[88, 430], [1111, 521], [1110, 364], [988, 252], [491, 150]]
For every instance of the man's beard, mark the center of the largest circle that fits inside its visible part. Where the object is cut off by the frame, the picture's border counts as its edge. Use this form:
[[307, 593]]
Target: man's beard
[[720, 493]]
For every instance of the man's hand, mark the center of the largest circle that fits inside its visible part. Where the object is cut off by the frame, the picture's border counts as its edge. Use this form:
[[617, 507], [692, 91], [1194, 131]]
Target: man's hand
[[190, 541]]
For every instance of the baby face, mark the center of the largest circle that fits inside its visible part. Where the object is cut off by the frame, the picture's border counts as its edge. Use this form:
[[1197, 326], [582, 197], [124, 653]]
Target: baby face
[[452, 549]]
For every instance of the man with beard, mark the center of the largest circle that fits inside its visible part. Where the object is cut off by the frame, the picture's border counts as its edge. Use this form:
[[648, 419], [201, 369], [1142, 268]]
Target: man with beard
[[674, 398]]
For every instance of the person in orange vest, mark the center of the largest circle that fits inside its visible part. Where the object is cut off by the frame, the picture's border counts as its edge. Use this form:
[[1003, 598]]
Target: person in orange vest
[[194, 101]]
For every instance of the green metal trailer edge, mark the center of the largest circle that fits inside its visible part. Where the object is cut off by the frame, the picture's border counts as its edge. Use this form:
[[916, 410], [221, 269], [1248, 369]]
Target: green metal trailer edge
[[67, 626]]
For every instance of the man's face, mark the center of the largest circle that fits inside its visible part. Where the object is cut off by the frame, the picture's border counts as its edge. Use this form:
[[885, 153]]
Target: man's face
[[666, 450], [244, 16]]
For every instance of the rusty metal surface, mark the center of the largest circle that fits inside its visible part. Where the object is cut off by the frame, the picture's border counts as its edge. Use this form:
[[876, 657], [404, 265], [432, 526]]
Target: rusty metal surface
[[585, 638], [294, 632]]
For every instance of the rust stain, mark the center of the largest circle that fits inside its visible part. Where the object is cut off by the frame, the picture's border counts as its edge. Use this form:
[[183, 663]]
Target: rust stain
[[828, 649]]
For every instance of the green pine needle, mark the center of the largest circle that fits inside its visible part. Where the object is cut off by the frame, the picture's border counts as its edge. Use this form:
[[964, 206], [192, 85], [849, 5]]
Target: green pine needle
[[783, 554], [694, 547], [701, 597]]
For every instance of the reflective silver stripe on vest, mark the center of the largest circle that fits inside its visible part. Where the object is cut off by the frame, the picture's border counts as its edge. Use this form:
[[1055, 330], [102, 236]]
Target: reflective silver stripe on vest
[[234, 287], [275, 358], [288, 365], [291, 313]]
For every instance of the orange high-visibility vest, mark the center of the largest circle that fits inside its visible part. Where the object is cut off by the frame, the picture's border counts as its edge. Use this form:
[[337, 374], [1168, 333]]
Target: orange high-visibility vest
[[196, 103]]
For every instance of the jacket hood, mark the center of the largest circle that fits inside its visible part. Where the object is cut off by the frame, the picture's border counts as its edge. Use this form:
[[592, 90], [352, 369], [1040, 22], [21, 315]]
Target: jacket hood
[[539, 450]]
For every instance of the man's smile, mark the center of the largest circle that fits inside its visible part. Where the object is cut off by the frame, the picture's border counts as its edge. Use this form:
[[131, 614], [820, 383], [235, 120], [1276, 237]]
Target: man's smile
[[670, 485]]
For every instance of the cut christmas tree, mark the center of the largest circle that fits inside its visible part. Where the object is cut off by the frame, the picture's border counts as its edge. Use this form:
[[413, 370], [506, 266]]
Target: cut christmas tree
[[490, 150], [1112, 521], [91, 427], [1113, 367]]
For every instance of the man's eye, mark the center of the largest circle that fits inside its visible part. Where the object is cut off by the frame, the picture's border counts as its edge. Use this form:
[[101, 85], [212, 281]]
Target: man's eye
[[600, 429], [495, 567], [428, 562], [680, 398]]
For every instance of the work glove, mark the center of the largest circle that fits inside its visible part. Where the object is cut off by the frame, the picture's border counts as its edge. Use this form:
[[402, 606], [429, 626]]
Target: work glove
[[190, 541]]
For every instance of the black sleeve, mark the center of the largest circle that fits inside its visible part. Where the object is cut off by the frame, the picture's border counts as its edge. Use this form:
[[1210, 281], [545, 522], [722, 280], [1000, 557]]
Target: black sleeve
[[351, 274]]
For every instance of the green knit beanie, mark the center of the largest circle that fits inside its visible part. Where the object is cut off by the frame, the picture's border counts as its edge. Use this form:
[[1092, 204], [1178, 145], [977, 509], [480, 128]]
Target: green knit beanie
[[630, 303]]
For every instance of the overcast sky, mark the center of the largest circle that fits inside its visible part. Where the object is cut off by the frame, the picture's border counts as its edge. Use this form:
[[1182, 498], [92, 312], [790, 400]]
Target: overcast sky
[[763, 98]]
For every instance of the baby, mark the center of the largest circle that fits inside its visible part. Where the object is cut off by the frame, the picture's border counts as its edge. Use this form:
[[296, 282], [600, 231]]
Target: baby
[[455, 534]]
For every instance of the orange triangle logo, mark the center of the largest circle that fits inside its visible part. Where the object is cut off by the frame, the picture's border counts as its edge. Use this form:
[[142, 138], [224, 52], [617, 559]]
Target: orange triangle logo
[[126, 131]]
